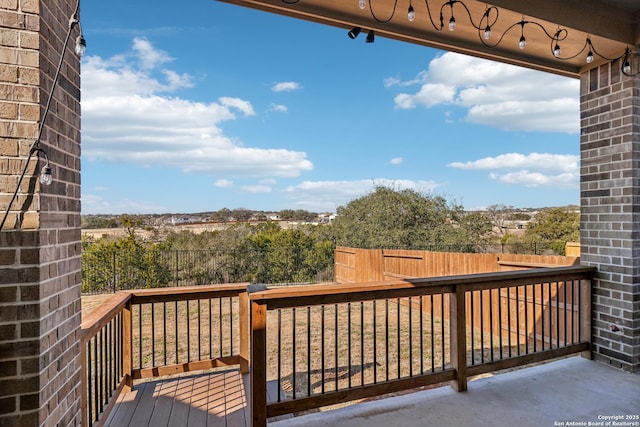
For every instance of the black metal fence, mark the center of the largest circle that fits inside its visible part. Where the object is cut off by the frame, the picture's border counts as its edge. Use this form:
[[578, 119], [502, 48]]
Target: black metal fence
[[105, 271], [112, 271]]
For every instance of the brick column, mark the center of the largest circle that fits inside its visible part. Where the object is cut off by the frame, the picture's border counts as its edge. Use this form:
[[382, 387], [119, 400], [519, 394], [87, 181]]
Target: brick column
[[610, 207], [40, 279]]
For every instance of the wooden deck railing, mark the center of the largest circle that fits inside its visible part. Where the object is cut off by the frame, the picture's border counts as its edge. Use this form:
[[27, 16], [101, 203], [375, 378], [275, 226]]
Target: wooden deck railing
[[329, 344], [155, 332]]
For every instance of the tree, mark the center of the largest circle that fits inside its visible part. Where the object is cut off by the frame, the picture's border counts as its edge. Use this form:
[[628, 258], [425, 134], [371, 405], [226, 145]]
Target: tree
[[555, 225], [297, 215], [388, 218], [242, 214], [222, 215], [122, 263], [290, 256], [499, 215]]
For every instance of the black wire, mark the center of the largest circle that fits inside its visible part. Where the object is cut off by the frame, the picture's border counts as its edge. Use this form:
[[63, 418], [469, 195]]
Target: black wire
[[383, 21], [35, 147]]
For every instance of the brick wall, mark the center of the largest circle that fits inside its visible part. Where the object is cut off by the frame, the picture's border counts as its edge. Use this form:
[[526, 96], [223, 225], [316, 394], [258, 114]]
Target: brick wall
[[40, 243], [610, 206]]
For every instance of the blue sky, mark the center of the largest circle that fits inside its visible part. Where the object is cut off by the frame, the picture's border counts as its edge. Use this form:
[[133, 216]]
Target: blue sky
[[201, 106]]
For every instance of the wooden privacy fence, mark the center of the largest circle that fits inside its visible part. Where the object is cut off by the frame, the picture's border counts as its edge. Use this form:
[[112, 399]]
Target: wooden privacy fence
[[389, 264], [328, 344], [354, 265]]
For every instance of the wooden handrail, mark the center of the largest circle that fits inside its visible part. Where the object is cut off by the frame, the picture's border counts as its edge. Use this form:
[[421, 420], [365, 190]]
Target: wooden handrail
[[292, 296], [183, 293], [120, 304], [103, 314], [526, 264], [459, 291]]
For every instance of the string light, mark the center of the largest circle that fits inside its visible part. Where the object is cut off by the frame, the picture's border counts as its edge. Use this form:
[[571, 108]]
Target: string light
[[46, 173], [452, 24], [81, 46], [523, 42], [411, 14], [486, 25], [487, 33], [589, 57]]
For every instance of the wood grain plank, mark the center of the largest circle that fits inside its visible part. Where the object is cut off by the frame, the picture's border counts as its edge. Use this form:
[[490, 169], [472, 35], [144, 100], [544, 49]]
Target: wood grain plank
[[180, 410], [144, 409], [124, 409], [216, 406], [235, 399], [199, 400], [163, 402]]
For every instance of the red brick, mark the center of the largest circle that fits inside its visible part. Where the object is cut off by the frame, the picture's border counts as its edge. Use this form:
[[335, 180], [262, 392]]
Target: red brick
[[8, 332], [7, 406], [29, 402]]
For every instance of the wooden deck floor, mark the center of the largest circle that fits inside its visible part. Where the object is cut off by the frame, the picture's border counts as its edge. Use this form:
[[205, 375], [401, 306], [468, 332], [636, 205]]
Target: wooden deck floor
[[203, 400]]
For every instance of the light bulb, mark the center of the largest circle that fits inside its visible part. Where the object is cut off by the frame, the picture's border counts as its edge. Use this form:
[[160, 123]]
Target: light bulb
[[487, 33], [81, 46], [556, 51], [452, 24], [361, 4], [589, 57], [522, 42], [46, 177], [626, 67], [411, 14]]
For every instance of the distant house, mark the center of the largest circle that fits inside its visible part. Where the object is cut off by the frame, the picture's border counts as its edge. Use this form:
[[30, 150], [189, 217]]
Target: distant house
[[326, 218], [183, 220]]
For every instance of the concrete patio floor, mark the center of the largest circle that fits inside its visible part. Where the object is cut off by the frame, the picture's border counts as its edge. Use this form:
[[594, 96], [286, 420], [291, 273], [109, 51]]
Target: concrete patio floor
[[573, 391]]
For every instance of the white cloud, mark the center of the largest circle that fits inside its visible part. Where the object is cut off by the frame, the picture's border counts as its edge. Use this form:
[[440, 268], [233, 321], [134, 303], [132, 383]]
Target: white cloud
[[328, 195], [94, 204], [278, 108], [429, 95], [257, 188], [286, 87], [564, 162], [495, 94], [529, 170], [128, 118], [223, 183], [149, 56], [537, 179], [240, 104], [396, 160]]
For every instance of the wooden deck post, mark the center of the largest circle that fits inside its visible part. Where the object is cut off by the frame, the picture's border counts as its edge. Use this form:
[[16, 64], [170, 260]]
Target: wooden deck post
[[458, 338], [258, 364], [585, 315], [84, 376], [127, 347], [245, 337]]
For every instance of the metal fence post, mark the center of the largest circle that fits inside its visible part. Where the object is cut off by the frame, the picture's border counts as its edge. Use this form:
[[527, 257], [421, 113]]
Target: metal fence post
[[115, 274], [176, 276]]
